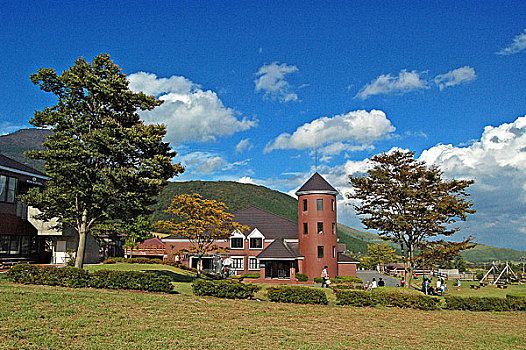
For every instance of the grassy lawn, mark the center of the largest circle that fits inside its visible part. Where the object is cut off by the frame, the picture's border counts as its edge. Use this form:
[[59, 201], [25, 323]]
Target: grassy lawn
[[44, 317]]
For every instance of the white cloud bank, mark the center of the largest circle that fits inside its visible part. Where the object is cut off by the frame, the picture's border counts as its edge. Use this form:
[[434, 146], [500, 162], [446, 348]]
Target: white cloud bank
[[518, 45], [190, 113], [349, 131], [497, 163], [406, 82], [271, 81]]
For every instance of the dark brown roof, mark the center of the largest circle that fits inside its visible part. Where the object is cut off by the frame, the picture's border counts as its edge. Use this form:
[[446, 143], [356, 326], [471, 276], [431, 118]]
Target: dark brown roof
[[278, 250], [272, 226], [13, 164], [316, 183], [342, 258]]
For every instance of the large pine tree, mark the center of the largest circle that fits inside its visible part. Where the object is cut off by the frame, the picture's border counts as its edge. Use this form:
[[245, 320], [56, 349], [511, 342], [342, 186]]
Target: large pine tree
[[106, 165]]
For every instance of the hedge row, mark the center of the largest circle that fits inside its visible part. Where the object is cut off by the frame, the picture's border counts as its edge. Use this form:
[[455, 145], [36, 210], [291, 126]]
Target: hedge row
[[77, 278], [365, 298], [510, 303], [224, 289], [302, 277], [297, 295], [339, 279], [133, 260]]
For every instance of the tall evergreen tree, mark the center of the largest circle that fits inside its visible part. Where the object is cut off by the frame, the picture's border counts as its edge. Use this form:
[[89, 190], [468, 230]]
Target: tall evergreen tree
[[408, 203], [106, 165]]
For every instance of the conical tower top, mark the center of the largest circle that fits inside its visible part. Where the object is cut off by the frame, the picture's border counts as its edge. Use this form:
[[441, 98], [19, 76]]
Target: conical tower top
[[316, 184]]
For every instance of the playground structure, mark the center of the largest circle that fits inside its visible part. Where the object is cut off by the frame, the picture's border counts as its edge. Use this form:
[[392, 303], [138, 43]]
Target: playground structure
[[507, 269]]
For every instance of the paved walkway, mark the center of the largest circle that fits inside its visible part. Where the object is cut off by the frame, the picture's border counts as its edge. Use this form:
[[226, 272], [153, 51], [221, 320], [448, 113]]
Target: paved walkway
[[368, 275]]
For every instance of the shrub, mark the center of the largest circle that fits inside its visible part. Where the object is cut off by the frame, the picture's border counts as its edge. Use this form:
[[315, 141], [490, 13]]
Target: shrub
[[384, 298], [297, 295], [250, 275], [224, 289], [511, 302], [133, 260], [318, 280], [302, 277], [346, 279], [78, 278], [517, 302]]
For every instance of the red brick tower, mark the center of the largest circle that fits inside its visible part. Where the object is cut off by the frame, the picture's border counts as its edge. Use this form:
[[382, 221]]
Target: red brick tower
[[317, 227]]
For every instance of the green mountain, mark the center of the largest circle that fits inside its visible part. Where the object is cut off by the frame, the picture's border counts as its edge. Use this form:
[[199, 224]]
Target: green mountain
[[238, 196], [14, 145]]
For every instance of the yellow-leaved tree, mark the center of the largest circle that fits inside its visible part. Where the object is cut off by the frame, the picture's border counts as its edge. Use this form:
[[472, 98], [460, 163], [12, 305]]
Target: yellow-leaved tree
[[204, 222]]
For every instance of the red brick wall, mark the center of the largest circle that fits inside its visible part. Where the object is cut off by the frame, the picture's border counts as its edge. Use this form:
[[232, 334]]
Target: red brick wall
[[347, 270]]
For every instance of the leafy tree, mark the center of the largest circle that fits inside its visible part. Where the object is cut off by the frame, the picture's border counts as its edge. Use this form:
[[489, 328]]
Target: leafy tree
[[408, 203], [203, 222], [106, 165], [443, 254], [378, 254]]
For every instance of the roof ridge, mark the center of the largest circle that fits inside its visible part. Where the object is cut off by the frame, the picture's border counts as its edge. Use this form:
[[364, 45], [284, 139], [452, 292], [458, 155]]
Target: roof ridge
[[266, 211]]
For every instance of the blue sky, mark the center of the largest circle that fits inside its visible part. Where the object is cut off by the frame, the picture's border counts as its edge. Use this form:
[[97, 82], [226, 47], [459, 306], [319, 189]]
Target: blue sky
[[251, 89]]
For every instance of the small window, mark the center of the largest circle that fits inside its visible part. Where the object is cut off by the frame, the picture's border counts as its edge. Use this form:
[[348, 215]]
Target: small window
[[238, 263], [332, 205], [236, 243], [304, 205], [320, 228], [253, 264], [7, 189], [256, 243], [320, 251], [333, 251], [305, 228], [333, 230], [319, 204]]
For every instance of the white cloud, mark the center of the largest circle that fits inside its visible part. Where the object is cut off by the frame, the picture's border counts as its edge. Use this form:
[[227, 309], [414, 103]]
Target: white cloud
[[200, 162], [246, 180], [271, 81], [455, 77], [359, 127], [388, 84], [8, 127], [518, 45], [233, 165], [190, 113], [411, 81], [244, 145], [210, 165]]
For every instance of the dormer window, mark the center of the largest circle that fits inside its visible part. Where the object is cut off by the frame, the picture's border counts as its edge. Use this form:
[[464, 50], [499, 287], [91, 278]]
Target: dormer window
[[256, 243], [236, 243], [255, 239]]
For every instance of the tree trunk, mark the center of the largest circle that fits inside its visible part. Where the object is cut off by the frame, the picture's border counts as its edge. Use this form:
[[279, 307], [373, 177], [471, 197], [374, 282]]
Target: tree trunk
[[199, 266], [409, 267], [79, 260]]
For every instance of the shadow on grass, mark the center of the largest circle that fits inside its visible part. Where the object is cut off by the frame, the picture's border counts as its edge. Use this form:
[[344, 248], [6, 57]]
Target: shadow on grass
[[175, 277]]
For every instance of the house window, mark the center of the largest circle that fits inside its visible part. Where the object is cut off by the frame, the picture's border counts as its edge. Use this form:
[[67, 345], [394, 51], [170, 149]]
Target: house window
[[236, 243], [319, 204], [333, 251], [332, 205], [305, 228], [7, 189], [333, 230], [256, 243], [320, 228], [238, 263], [320, 251], [304, 205], [253, 264]]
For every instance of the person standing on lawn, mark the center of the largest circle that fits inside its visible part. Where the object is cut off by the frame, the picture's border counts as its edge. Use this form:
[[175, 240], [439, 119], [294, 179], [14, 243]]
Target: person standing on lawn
[[324, 277]]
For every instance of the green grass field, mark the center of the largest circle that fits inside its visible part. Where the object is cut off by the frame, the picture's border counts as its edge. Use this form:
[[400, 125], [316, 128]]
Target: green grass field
[[44, 317]]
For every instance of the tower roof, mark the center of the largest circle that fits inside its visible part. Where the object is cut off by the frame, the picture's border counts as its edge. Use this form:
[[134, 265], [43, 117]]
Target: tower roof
[[316, 184]]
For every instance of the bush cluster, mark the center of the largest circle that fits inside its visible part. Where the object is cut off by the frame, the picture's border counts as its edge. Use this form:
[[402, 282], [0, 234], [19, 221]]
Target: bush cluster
[[224, 289], [251, 275], [340, 279], [133, 261], [365, 298], [510, 303], [302, 277], [297, 295], [77, 278]]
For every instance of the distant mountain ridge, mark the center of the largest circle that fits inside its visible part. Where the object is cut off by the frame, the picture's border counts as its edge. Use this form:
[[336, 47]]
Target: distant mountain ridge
[[15, 144], [239, 196]]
